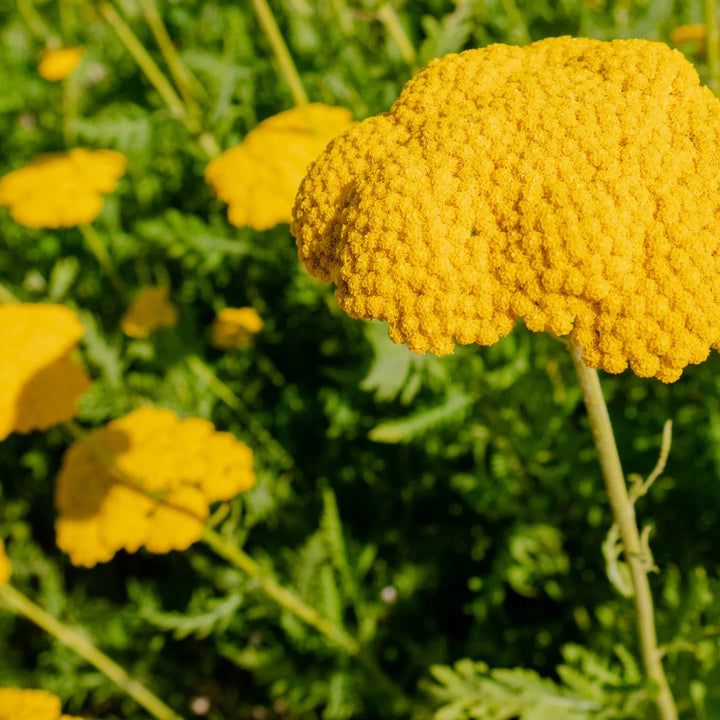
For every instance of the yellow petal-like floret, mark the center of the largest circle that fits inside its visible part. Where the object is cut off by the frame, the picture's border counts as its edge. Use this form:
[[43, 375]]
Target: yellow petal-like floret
[[149, 311], [155, 492], [61, 189], [41, 383], [58, 63], [572, 183], [259, 178], [16, 704], [235, 327], [5, 568]]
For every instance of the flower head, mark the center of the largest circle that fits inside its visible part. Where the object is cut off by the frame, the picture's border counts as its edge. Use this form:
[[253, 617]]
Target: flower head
[[259, 178], [572, 183], [58, 63], [145, 480], [16, 704], [61, 189], [5, 568], [235, 327], [149, 311], [41, 383]]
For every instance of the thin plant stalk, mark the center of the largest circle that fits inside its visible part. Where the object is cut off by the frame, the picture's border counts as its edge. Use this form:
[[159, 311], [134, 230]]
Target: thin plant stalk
[[70, 99], [157, 78], [183, 78], [97, 247], [284, 59], [35, 22], [388, 17], [713, 43], [624, 516], [24, 607]]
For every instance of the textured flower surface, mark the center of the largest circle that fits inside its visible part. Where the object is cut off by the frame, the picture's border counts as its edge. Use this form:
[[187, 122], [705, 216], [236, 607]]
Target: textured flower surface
[[259, 178], [5, 569], [61, 189], [145, 480], [149, 311], [235, 327], [16, 704], [572, 183], [41, 383], [58, 63]]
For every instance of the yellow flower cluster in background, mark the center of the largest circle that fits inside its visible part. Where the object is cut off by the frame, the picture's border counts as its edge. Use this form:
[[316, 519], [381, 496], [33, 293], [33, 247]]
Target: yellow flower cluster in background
[[41, 383], [145, 480], [149, 311], [5, 568], [57, 64], [259, 178], [61, 189], [572, 183], [16, 704], [236, 327]]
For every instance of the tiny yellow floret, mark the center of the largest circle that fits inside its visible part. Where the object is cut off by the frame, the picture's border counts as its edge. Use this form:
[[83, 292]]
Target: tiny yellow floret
[[235, 327], [61, 189], [260, 177], [145, 480], [58, 63], [149, 311], [5, 567], [572, 183], [41, 382]]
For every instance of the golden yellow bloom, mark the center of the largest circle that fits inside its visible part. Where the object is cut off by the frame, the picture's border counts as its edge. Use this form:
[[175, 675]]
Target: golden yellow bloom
[[572, 183], [181, 465], [41, 383], [5, 568], [688, 33], [259, 178], [235, 327], [59, 63], [149, 311], [61, 189], [16, 704]]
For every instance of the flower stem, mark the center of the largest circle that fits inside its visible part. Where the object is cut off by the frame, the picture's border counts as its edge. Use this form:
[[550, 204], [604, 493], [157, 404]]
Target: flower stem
[[184, 80], [97, 247], [294, 604], [23, 606], [157, 78], [284, 59], [713, 41], [624, 515], [387, 15]]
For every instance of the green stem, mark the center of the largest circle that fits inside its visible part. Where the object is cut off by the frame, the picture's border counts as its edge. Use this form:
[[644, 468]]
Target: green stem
[[284, 59], [23, 606], [389, 18], [281, 595], [624, 515], [35, 22], [6, 296], [713, 41], [207, 376], [97, 247], [70, 97], [180, 74]]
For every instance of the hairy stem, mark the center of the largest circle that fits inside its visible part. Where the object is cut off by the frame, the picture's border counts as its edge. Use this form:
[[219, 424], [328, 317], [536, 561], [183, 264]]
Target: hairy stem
[[624, 515], [712, 40], [23, 606]]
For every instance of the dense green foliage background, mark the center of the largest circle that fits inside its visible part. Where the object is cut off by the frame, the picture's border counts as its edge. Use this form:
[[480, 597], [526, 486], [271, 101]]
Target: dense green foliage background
[[440, 508]]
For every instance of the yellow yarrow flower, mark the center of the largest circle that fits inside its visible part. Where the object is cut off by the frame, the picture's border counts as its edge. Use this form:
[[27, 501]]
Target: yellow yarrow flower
[[572, 183], [5, 567], [61, 189], [16, 704], [235, 327], [152, 488], [149, 311], [41, 383], [58, 63], [688, 33], [259, 178]]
